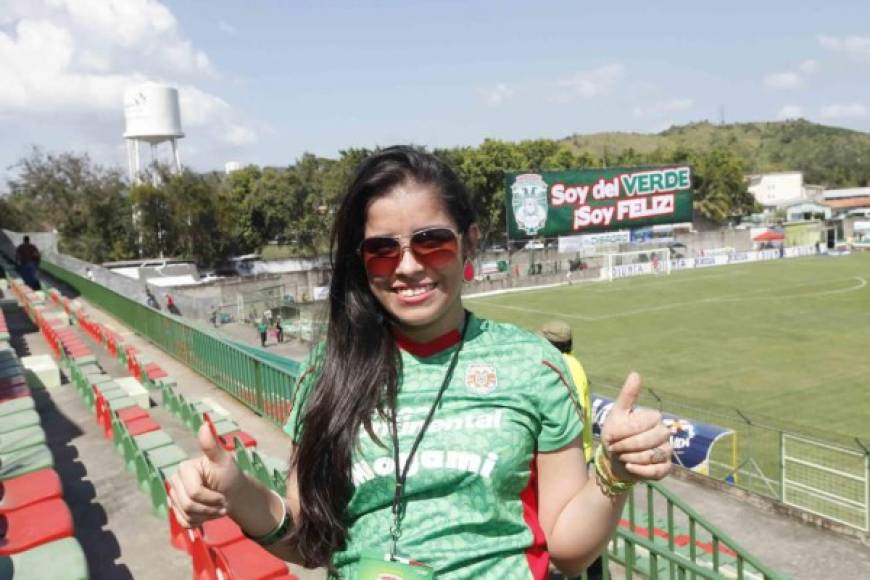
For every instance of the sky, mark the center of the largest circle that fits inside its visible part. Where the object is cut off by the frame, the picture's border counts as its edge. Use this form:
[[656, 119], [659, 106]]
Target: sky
[[264, 81]]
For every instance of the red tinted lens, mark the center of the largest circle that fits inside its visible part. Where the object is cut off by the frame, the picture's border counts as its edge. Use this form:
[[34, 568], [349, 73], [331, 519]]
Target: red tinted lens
[[435, 248], [381, 255]]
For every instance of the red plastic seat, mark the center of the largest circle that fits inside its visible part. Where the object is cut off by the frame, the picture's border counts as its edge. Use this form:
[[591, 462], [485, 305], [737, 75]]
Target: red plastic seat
[[34, 525], [131, 414], [12, 381], [228, 440], [143, 425], [24, 490], [16, 392], [239, 560], [247, 560]]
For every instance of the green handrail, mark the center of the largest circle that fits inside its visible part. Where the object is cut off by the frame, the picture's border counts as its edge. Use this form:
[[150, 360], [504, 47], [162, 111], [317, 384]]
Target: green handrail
[[260, 384], [678, 564]]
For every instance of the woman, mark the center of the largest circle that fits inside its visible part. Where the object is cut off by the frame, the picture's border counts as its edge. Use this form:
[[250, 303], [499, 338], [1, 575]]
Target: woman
[[420, 432]]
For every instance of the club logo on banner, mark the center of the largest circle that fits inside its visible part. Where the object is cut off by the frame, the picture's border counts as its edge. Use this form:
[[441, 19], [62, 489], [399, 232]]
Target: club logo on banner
[[691, 441], [529, 199], [563, 203]]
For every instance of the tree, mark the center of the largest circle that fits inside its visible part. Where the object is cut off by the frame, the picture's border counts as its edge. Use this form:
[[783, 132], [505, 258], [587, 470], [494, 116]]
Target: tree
[[720, 187], [86, 203]]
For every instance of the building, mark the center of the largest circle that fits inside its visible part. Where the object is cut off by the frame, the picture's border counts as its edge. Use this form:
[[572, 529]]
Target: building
[[853, 201], [773, 190]]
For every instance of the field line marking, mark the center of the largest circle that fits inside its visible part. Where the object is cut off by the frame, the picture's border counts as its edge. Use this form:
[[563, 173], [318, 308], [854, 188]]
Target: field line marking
[[713, 299]]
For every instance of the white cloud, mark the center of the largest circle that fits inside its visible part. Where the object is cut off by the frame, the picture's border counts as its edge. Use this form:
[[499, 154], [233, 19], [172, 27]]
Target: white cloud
[[854, 46], [497, 95], [240, 135], [663, 107], [784, 80], [846, 111], [809, 67], [591, 83], [790, 112], [74, 59], [227, 28]]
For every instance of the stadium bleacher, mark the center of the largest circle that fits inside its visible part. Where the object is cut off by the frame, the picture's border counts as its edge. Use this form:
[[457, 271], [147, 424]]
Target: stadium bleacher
[[36, 526], [32, 502]]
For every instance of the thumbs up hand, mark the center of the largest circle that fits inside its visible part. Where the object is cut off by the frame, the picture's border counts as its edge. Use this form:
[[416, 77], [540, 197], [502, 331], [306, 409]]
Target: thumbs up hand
[[635, 441], [200, 488]]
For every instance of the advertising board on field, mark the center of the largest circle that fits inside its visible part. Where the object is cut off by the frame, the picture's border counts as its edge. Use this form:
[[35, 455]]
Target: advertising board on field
[[583, 242], [563, 203], [691, 441]]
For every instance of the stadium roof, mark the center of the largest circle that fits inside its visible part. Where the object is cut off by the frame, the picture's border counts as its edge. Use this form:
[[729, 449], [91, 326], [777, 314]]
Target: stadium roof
[[847, 192], [848, 203]]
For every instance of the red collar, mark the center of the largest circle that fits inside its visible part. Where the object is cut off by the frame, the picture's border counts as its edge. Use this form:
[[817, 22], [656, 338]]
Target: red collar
[[430, 348]]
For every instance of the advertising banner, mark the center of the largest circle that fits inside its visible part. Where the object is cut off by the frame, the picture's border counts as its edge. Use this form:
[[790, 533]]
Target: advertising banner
[[561, 203], [583, 242], [691, 441]]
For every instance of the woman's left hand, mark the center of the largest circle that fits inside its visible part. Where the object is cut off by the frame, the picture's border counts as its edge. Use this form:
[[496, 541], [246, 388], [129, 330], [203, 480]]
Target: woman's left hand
[[635, 441]]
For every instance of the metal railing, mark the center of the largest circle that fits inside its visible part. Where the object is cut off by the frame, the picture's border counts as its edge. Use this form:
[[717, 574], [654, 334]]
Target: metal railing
[[681, 544], [821, 473], [258, 383]]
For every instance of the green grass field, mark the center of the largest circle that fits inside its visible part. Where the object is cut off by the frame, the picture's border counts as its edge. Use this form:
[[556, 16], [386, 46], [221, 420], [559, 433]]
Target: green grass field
[[787, 342], [756, 348]]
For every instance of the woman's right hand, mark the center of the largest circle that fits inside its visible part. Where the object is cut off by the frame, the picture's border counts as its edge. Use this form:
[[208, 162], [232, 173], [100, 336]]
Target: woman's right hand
[[201, 489]]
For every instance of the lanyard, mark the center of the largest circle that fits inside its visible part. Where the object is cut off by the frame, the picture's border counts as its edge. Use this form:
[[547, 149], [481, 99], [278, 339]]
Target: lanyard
[[402, 473]]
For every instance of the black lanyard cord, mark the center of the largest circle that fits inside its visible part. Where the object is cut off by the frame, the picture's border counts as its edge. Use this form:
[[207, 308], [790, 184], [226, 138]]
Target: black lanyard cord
[[402, 473]]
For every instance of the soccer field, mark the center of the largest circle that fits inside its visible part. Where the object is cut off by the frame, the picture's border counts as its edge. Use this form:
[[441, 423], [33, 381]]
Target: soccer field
[[787, 342]]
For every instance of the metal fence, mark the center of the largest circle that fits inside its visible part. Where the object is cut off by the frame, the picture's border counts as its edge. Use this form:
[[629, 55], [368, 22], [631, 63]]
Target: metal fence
[[821, 473], [258, 383]]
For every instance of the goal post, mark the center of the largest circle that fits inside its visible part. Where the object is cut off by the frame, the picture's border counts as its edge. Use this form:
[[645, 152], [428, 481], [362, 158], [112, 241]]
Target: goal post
[[636, 263]]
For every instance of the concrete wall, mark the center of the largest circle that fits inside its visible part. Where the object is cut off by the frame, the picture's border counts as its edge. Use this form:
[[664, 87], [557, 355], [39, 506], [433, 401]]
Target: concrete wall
[[740, 240], [189, 306]]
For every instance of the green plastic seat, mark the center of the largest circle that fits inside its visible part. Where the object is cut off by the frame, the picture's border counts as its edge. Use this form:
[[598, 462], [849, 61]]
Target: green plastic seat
[[113, 392], [16, 405], [150, 462], [116, 403], [25, 461], [59, 560], [243, 459], [142, 443], [27, 437], [19, 420]]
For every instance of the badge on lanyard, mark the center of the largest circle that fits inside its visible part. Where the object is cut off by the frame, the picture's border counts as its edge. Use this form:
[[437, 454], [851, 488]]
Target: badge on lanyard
[[393, 568]]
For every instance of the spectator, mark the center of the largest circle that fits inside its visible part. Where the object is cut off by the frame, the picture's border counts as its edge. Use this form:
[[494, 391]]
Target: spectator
[[170, 305], [279, 328], [150, 300], [504, 435], [560, 335], [27, 258], [263, 329]]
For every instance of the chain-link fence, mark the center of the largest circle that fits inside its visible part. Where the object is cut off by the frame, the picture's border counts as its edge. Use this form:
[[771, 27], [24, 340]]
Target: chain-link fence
[[822, 473]]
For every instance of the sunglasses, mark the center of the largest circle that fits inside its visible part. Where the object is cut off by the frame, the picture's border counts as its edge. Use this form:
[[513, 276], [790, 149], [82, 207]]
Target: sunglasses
[[433, 248]]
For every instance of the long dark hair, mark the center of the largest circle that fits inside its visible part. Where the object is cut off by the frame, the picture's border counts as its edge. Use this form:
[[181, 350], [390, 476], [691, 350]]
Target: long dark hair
[[357, 376]]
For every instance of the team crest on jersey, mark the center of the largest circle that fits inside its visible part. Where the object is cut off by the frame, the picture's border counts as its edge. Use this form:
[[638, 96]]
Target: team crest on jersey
[[480, 378]]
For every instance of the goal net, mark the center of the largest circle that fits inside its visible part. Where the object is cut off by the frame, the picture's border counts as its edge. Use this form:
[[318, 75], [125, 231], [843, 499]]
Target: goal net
[[636, 263]]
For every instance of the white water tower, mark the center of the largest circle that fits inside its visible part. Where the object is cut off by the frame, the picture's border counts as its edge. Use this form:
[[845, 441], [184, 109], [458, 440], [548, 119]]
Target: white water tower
[[153, 117]]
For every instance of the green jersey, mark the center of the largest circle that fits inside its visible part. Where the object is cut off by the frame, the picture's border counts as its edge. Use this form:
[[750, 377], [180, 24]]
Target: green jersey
[[471, 491]]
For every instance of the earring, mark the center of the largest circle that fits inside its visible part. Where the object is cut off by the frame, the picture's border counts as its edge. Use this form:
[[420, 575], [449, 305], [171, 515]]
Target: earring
[[468, 271]]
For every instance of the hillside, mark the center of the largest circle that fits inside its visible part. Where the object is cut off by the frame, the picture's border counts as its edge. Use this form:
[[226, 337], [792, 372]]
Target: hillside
[[828, 156]]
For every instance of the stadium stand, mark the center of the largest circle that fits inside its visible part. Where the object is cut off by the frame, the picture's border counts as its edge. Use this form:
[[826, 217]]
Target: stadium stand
[[118, 407], [36, 526]]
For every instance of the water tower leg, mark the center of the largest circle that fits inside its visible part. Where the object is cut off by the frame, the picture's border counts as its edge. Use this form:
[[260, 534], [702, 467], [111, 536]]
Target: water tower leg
[[176, 154], [137, 162]]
